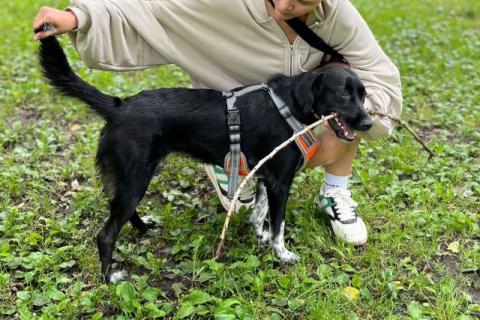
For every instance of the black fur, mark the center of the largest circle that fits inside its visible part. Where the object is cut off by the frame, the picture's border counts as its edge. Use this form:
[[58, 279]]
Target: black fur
[[142, 129]]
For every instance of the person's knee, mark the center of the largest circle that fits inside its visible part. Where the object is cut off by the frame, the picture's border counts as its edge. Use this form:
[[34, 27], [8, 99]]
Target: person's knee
[[330, 150]]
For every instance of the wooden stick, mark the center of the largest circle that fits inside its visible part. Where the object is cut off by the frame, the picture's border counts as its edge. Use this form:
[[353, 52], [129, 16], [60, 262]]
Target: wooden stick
[[406, 126], [252, 173]]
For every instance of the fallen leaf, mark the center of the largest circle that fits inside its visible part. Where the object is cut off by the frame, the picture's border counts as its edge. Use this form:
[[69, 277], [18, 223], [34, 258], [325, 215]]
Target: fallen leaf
[[351, 293], [454, 247], [75, 128], [75, 185]]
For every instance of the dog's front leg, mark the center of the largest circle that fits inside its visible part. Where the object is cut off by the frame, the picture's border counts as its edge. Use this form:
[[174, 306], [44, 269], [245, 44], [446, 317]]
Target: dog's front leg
[[277, 201], [259, 213]]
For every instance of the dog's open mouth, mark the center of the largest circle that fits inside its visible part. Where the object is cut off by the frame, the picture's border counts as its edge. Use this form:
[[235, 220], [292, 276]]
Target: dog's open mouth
[[342, 129]]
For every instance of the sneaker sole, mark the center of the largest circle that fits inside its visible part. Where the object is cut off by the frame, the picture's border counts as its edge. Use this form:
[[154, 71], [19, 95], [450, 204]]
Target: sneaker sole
[[356, 241]]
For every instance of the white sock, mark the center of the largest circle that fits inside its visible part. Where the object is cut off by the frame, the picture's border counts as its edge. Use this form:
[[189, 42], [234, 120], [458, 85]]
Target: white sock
[[332, 181]]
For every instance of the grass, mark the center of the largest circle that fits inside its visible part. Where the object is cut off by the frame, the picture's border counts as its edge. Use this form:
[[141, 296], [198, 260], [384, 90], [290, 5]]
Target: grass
[[423, 255]]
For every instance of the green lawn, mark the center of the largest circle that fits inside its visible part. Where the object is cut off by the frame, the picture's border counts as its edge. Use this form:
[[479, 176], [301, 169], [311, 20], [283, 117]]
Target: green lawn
[[423, 256]]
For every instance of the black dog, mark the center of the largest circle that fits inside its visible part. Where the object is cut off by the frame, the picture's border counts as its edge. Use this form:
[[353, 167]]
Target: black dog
[[142, 129]]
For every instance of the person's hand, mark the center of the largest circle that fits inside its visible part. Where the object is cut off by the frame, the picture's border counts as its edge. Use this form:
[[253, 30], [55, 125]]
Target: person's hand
[[63, 21]]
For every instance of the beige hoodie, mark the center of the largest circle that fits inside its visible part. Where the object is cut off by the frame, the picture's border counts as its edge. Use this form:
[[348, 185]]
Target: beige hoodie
[[225, 44]]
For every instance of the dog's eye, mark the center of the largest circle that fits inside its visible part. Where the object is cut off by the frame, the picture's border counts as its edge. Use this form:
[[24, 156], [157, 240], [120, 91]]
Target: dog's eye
[[343, 93]]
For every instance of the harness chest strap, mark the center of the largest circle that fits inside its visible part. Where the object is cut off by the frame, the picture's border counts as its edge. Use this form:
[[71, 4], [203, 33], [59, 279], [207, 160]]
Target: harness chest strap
[[307, 142], [235, 163]]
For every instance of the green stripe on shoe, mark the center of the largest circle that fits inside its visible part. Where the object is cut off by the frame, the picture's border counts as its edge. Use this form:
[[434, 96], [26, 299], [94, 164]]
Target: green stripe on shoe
[[330, 203], [219, 174]]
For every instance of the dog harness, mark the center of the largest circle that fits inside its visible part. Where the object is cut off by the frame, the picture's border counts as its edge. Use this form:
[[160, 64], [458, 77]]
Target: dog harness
[[235, 163]]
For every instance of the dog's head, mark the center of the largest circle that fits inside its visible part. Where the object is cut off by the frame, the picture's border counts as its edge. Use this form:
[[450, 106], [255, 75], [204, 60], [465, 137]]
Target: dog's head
[[335, 89]]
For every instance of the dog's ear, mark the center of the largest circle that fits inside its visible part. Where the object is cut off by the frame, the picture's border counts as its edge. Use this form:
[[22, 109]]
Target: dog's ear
[[305, 91]]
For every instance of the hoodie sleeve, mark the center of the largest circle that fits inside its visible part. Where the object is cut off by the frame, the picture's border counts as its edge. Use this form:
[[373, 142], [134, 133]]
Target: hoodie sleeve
[[351, 35], [119, 35]]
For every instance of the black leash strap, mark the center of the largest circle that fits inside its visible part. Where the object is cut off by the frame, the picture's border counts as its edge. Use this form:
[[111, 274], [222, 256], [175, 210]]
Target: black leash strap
[[313, 39]]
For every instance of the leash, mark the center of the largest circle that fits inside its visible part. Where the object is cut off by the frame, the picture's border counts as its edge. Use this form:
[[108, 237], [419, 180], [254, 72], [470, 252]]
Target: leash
[[235, 163]]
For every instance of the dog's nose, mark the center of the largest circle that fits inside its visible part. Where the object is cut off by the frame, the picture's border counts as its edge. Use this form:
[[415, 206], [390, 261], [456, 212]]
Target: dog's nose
[[366, 124]]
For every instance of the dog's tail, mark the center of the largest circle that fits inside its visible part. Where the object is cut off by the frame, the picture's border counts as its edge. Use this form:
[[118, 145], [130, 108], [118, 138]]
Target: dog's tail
[[57, 70]]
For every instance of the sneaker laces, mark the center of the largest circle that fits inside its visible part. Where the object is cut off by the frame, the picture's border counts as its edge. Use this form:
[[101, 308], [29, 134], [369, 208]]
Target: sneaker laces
[[344, 204]]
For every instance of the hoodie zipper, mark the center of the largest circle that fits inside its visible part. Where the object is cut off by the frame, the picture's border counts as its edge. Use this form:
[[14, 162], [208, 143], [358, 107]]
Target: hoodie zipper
[[291, 46], [292, 53]]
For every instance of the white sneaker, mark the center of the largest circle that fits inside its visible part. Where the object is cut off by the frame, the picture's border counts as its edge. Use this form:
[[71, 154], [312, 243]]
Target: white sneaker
[[220, 181], [339, 206]]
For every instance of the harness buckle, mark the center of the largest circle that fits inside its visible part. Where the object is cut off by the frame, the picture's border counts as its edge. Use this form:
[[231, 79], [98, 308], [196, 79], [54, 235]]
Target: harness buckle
[[233, 117], [228, 94]]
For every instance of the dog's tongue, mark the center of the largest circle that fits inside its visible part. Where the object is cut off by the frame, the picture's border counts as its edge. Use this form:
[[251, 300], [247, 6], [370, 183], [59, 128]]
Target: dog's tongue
[[349, 132]]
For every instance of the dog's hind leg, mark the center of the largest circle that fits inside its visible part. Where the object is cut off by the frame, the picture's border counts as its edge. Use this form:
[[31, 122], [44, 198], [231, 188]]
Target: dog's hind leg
[[129, 190], [277, 192], [259, 213], [142, 224]]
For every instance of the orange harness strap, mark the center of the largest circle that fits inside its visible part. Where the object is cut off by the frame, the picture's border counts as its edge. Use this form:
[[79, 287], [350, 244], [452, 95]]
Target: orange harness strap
[[307, 144], [243, 169]]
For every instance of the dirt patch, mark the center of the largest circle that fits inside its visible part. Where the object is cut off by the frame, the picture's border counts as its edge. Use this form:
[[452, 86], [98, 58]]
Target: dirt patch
[[427, 133], [474, 285], [452, 267], [29, 114], [167, 284]]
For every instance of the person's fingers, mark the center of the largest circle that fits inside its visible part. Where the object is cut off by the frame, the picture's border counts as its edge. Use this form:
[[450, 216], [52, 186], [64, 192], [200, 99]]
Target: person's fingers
[[37, 18], [54, 22], [43, 34], [45, 30], [41, 18], [38, 24]]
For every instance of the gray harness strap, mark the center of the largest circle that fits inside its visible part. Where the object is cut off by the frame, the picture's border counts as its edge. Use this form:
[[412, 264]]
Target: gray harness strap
[[309, 138], [233, 121]]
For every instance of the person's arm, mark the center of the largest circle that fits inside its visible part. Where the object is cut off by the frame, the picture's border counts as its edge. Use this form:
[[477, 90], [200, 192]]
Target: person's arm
[[115, 35], [351, 35]]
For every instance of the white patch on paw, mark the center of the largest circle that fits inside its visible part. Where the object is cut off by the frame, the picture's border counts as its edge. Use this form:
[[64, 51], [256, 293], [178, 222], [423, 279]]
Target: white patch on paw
[[118, 276], [282, 253], [287, 256], [147, 219]]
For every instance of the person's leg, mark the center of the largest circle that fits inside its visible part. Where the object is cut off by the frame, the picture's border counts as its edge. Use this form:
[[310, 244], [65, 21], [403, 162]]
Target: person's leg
[[335, 198], [333, 154]]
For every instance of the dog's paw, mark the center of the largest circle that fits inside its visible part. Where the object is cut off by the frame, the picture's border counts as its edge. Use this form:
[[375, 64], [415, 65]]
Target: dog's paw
[[287, 256], [146, 224], [118, 276], [148, 221], [264, 238]]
